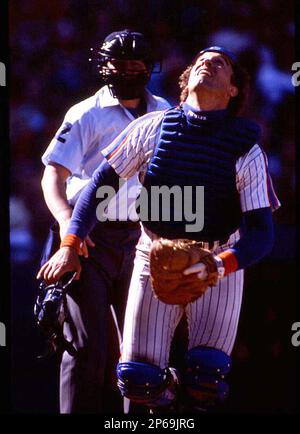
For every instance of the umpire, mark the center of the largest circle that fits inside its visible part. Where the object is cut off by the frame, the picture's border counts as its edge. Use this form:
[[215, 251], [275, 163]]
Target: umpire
[[125, 64]]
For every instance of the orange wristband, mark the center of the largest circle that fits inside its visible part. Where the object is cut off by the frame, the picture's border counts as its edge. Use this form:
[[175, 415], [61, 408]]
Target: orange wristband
[[229, 261], [72, 241]]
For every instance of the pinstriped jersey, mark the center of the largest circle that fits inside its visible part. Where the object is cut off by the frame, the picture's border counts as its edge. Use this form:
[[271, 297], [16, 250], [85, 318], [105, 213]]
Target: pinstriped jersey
[[132, 150]]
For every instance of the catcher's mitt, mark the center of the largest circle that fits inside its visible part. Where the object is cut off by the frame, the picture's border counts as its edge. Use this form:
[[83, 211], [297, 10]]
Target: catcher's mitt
[[168, 260]]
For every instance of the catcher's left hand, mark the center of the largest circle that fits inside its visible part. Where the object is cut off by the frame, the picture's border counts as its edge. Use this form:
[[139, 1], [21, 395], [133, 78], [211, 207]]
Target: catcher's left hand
[[64, 260], [181, 270]]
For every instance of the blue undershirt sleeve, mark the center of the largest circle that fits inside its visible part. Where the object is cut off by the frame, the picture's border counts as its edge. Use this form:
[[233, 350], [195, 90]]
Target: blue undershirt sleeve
[[257, 237], [84, 214]]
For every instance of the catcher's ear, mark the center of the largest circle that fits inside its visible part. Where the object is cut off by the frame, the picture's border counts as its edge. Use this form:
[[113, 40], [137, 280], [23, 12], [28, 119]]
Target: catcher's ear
[[233, 91]]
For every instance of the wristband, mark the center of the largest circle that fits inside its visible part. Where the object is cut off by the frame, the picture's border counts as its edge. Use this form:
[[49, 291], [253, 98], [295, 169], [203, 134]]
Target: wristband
[[73, 242], [229, 260]]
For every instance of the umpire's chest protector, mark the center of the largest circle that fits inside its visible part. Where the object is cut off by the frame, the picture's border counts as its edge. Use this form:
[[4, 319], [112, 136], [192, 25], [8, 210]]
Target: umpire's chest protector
[[198, 149]]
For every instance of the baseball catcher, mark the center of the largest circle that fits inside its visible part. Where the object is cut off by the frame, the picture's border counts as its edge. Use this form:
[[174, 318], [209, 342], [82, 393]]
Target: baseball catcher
[[201, 144], [124, 61]]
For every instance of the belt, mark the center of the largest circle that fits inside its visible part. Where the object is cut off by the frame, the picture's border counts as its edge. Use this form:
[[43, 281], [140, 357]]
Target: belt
[[204, 244]]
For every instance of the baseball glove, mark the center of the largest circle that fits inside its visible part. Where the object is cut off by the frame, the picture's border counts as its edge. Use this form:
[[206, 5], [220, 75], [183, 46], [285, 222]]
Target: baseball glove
[[168, 260]]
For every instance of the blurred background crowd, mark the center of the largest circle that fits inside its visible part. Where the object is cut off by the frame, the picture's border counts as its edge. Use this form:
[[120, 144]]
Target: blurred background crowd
[[49, 47]]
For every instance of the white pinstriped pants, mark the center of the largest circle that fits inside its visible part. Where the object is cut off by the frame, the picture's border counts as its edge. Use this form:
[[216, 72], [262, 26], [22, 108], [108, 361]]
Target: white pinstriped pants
[[150, 324]]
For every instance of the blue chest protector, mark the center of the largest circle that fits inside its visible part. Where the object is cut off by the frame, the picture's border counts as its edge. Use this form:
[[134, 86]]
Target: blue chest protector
[[200, 149]]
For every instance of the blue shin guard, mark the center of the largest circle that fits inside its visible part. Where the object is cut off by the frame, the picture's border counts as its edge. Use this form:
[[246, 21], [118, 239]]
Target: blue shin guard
[[146, 383], [205, 373]]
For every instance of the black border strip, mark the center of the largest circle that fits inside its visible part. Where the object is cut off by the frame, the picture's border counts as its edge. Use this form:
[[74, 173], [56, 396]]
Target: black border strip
[[297, 166], [4, 212]]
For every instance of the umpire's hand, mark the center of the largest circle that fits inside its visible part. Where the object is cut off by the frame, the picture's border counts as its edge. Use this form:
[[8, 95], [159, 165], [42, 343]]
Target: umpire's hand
[[64, 260]]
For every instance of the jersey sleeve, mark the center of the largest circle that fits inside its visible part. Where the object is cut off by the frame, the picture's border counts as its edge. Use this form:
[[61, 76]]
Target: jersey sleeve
[[254, 182], [133, 148], [70, 141]]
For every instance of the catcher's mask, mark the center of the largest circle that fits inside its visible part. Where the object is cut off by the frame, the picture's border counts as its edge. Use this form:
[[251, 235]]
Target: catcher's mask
[[50, 314], [125, 63]]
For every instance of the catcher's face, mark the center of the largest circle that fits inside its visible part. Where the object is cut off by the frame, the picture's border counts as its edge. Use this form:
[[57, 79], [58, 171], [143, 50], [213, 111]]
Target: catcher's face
[[213, 72]]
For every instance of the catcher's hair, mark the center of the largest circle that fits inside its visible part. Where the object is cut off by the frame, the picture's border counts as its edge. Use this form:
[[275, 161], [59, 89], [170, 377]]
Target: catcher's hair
[[240, 78]]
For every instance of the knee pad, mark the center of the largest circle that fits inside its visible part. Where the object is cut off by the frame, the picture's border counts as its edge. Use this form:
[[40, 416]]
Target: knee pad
[[145, 383], [206, 369]]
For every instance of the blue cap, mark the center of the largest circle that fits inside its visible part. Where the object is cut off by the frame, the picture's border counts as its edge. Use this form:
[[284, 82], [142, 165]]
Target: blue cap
[[220, 50]]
